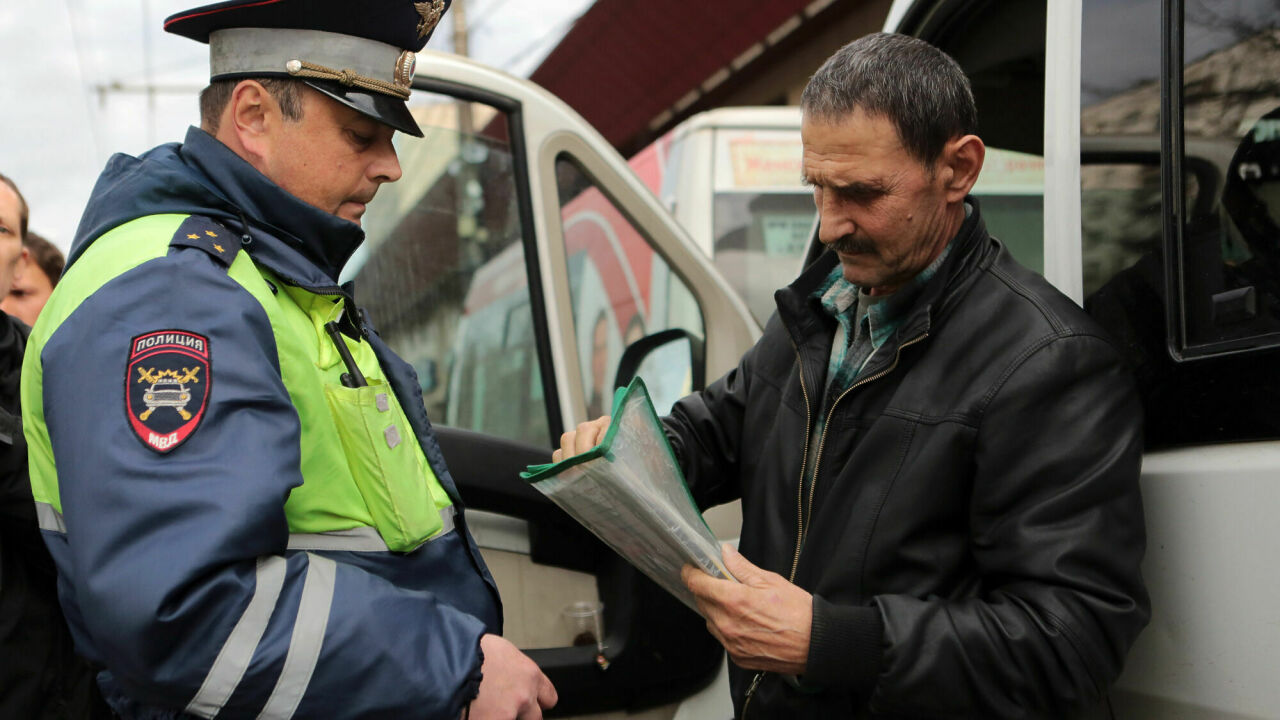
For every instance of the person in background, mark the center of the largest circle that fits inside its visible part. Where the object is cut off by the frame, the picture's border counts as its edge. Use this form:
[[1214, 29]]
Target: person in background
[[40, 674], [28, 293]]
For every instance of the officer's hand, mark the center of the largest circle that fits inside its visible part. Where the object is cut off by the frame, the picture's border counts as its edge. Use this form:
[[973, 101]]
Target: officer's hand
[[512, 686], [581, 439], [763, 621]]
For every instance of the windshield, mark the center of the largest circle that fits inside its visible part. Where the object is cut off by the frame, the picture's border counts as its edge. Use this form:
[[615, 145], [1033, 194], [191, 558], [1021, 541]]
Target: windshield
[[760, 238]]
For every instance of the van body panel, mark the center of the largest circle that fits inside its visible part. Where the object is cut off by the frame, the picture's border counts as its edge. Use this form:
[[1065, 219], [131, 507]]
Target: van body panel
[[1213, 642]]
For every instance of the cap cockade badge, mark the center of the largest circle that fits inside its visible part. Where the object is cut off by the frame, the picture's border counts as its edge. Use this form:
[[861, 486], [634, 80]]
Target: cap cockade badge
[[430, 12], [405, 66]]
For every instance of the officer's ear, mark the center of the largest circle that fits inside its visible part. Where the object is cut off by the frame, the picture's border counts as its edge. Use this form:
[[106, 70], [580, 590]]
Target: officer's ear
[[251, 121]]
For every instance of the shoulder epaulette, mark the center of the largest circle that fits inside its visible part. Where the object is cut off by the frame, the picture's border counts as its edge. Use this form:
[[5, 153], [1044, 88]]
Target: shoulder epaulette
[[202, 233]]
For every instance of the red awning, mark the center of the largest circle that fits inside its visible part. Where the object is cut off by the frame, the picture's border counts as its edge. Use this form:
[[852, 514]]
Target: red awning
[[626, 62]]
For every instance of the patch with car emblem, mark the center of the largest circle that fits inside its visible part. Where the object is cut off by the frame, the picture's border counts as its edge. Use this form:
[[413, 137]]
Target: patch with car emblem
[[167, 386]]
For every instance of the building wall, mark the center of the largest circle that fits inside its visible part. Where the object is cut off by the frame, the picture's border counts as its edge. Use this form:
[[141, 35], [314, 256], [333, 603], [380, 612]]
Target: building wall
[[780, 78]]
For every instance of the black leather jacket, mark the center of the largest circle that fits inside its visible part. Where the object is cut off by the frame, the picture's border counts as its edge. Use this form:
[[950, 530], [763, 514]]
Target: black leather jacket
[[974, 533], [41, 678]]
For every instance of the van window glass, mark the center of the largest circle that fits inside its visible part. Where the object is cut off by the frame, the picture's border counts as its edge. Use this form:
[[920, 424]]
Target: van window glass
[[760, 238], [1119, 138], [621, 289], [1231, 125], [442, 272], [1120, 68], [1217, 400], [1120, 142], [762, 213], [1120, 219]]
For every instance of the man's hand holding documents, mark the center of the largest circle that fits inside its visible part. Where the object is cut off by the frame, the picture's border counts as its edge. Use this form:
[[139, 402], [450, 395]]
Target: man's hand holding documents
[[582, 438], [762, 620], [620, 479]]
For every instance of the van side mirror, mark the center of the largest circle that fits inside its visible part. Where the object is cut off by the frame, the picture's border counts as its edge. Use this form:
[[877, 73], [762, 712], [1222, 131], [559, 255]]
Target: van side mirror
[[672, 363]]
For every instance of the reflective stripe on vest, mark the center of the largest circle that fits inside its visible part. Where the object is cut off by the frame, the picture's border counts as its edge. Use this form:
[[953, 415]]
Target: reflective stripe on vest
[[360, 539], [304, 644], [233, 659], [308, 636], [49, 518]]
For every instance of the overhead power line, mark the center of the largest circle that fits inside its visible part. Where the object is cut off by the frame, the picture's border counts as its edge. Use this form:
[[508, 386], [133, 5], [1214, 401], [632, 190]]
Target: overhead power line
[[94, 132], [488, 13], [146, 72], [554, 36], [149, 89]]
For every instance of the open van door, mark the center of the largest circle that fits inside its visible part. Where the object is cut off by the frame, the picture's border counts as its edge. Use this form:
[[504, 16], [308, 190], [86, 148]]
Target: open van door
[[1156, 124], [513, 265]]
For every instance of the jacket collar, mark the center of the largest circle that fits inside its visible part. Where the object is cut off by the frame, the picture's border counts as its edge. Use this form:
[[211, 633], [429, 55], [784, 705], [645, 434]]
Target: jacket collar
[[803, 316], [311, 246], [301, 244]]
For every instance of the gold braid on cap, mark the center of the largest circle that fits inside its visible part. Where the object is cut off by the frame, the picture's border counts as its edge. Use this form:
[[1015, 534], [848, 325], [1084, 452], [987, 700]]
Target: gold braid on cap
[[304, 69]]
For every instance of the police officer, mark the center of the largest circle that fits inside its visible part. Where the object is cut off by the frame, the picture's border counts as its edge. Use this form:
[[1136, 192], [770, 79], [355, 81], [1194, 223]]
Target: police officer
[[237, 480]]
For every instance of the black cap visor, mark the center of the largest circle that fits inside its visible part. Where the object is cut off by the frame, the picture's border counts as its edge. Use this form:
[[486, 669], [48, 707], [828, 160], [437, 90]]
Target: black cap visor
[[385, 109]]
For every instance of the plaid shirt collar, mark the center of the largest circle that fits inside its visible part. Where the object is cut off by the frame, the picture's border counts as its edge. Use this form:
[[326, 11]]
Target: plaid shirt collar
[[839, 299]]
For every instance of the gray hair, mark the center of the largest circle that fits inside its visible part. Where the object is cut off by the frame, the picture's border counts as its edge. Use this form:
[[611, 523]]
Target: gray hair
[[913, 84]]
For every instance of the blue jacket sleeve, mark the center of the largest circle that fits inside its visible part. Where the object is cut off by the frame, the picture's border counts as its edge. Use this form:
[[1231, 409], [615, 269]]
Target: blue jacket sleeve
[[179, 560]]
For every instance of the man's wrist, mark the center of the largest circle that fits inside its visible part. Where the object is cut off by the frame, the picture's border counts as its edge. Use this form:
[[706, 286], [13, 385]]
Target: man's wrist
[[846, 644]]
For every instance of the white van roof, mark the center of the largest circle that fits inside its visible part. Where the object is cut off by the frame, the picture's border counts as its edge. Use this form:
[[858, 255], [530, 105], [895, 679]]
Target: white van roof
[[787, 117]]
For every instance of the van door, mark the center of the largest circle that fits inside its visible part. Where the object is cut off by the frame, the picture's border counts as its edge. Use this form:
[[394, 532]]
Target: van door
[[1158, 124], [1178, 120], [513, 265]]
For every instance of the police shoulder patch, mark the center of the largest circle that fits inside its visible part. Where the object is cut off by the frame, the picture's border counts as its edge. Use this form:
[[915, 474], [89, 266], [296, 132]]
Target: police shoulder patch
[[167, 382]]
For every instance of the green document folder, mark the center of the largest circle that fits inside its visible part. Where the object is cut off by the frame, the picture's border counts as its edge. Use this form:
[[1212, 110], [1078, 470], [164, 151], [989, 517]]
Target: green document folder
[[630, 493]]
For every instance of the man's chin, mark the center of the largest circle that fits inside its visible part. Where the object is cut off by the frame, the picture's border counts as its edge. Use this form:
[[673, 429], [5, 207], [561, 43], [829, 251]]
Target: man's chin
[[855, 271], [351, 212]]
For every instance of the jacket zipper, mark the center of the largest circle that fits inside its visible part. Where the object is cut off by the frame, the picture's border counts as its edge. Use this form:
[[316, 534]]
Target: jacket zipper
[[751, 691], [804, 460], [822, 442], [349, 311], [806, 508]]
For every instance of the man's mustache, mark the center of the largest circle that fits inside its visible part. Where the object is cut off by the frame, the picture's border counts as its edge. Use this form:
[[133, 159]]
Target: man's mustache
[[852, 245]]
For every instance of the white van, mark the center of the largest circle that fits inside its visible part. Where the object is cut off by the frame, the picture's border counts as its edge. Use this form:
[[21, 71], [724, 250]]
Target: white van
[[1155, 125]]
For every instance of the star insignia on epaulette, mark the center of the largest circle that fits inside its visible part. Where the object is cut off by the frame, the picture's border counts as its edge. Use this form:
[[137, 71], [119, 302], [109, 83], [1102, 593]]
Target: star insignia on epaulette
[[210, 233], [430, 12], [218, 247], [193, 236]]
